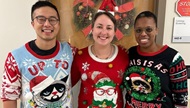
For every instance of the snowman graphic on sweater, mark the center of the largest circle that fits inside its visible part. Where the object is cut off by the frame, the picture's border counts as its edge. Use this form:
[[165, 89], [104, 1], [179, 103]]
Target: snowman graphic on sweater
[[105, 94]]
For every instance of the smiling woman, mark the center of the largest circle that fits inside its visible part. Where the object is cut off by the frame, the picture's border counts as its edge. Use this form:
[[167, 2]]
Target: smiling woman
[[69, 31], [155, 82]]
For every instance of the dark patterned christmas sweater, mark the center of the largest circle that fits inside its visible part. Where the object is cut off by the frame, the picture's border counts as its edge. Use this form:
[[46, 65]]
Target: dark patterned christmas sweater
[[156, 80]]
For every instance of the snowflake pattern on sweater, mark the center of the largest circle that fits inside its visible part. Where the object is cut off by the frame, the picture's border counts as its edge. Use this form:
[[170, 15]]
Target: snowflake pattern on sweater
[[101, 79], [39, 81]]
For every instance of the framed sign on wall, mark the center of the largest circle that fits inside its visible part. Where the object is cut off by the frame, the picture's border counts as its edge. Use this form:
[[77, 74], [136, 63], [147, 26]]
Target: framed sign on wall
[[181, 32]]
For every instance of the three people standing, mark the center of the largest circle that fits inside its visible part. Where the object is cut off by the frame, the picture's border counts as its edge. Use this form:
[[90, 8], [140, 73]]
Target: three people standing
[[38, 72]]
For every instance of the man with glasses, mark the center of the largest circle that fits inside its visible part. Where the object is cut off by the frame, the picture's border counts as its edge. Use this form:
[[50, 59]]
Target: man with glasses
[[157, 76], [38, 72]]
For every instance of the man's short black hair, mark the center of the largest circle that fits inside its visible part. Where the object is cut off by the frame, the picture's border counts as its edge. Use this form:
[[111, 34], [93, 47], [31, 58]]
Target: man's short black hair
[[40, 4]]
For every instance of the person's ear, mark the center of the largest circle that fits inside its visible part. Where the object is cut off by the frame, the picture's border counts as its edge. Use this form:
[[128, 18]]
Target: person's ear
[[32, 23], [157, 30]]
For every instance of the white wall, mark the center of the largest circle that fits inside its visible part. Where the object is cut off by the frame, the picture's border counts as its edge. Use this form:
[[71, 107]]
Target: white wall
[[166, 28], [181, 47], [15, 27]]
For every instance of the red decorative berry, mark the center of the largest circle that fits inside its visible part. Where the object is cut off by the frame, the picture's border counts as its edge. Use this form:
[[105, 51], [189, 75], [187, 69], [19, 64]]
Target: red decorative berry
[[78, 13], [124, 15], [142, 69], [117, 17]]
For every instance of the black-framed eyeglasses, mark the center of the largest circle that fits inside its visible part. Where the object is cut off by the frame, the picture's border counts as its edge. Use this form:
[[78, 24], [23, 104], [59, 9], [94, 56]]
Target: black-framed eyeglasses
[[147, 30], [42, 19]]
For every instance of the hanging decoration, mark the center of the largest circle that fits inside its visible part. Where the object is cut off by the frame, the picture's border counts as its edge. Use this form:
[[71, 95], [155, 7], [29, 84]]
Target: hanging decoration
[[84, 11], [125, 16]]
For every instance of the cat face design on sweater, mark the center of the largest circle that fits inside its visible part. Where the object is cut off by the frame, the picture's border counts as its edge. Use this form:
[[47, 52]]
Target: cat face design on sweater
[[141, 85], [54, 95], [54, 92]]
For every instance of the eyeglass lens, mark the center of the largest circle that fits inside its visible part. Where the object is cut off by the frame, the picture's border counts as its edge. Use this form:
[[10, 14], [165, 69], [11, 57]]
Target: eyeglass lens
[[147, 30], [109, 91], [42, 20]]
